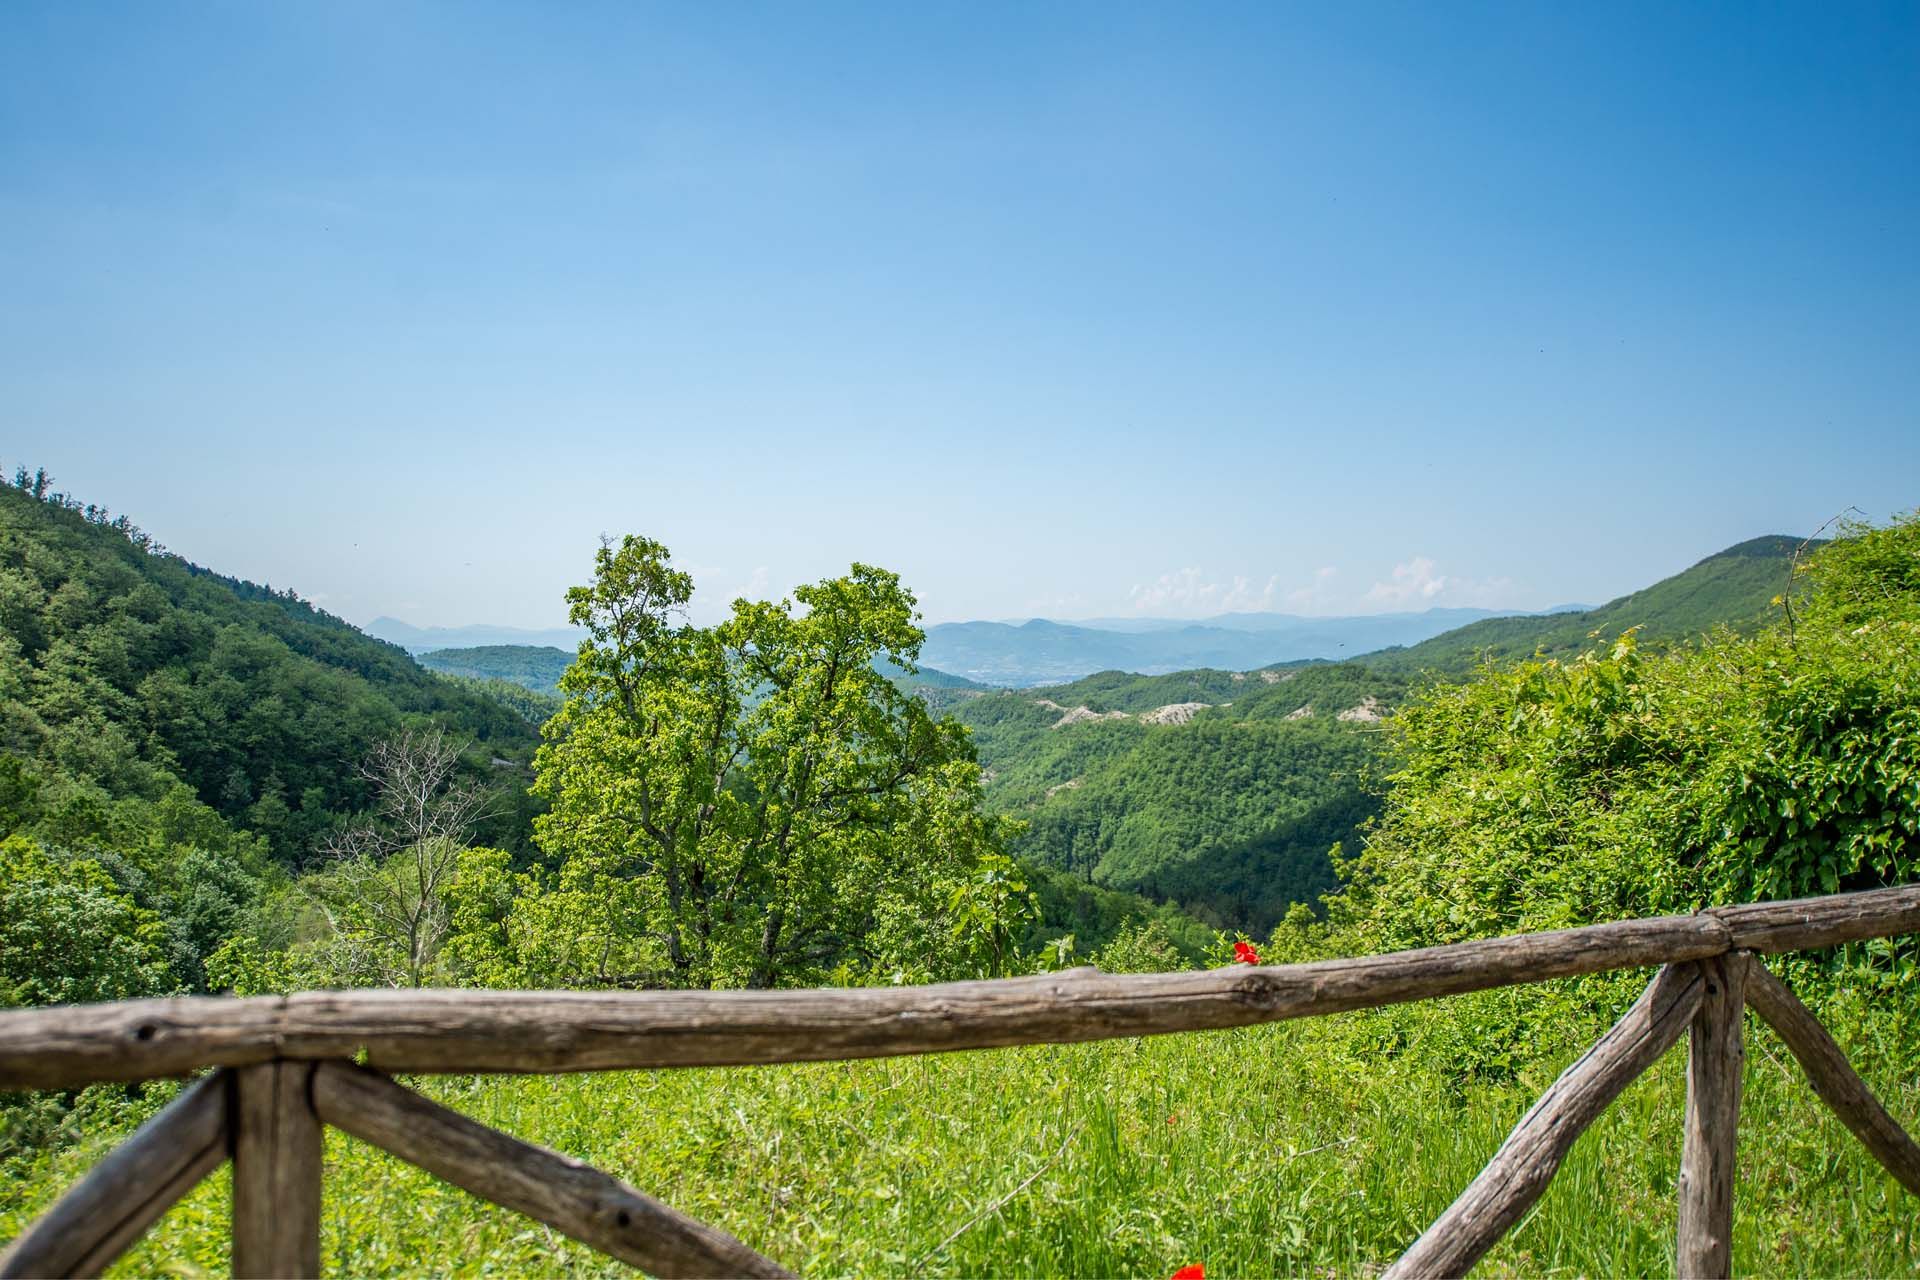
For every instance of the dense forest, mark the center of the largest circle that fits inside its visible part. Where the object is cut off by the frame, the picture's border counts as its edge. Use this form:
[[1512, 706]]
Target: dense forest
[[184, 760], [1229, 792], [1221, 791], [175, 744], [534, 667], [1226, 792]]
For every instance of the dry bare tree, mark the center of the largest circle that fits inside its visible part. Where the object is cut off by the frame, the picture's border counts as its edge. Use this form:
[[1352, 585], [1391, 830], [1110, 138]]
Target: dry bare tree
[[387, 872]]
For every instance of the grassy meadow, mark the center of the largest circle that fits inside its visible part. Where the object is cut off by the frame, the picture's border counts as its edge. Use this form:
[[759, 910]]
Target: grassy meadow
[[1280, 1150]]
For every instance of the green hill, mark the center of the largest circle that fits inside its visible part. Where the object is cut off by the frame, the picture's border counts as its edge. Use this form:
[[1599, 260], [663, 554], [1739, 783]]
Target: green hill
[[531, 666], [126, 671], [1734, 588], [1220, 790], [532, 705], [1223, 791]]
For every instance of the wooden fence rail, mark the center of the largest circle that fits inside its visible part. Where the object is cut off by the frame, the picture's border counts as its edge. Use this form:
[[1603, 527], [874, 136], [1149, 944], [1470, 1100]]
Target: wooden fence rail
[[287, 1065]]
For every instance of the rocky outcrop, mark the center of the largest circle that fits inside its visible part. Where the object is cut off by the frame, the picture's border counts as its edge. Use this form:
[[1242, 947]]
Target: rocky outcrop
[[1080, 715], [1173, 713], [1367, 712]]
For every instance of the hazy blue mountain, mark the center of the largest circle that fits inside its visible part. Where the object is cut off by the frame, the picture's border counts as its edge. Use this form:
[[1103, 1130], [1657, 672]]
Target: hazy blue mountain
[[1444, 619], [1040, 651], [418, 640], [539, 668], [1021, 653]]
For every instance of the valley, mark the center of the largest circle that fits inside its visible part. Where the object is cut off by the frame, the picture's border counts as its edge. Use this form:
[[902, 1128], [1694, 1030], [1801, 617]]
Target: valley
[[1222, 791]]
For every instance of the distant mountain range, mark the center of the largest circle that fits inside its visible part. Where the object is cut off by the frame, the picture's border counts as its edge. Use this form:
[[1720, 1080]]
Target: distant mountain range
[[1040, 651], [418, 640], [1734, 587], [1001, 654]]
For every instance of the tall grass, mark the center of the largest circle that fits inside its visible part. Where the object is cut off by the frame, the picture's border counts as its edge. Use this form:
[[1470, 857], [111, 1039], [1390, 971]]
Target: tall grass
[[1278, 1150]]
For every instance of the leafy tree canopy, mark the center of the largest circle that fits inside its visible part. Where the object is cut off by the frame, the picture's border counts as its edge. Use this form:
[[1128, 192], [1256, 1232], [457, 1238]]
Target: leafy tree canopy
[[747, 804], [68, 934]]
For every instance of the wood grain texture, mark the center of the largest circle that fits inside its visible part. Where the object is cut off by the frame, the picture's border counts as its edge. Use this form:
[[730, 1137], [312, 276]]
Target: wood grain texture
[[1807, 924], [71, 1045], [1526, 1162], [462, 1031], [1716, 1072], [544, 1031], [276, 1173], [106, 1211], [1833, 1077], [592, 1207]]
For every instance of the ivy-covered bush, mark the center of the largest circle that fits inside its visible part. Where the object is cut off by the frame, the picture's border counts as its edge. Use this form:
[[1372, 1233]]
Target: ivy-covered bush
[[1549, 794]]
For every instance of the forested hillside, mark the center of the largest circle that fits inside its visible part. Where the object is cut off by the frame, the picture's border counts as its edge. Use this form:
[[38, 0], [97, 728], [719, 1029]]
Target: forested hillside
[[535, 667], [1736, 588], [1223, 791], [172, 742], [179, 744]]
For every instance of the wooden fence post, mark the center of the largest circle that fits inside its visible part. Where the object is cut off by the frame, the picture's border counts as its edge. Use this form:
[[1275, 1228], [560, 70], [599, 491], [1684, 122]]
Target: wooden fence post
[[276, 1172], [1716, 1062]]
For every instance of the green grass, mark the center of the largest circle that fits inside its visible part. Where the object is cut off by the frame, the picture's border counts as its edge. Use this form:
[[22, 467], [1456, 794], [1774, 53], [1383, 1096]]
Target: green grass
[[1266, 1151]]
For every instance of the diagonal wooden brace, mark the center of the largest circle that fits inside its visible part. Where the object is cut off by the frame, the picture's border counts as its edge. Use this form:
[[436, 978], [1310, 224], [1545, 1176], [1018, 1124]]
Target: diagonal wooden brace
[[106, 1211], [592, 1207]]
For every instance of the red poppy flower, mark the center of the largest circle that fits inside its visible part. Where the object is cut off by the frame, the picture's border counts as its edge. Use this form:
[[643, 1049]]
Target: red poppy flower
[[1192, 1271], [1243, 953]]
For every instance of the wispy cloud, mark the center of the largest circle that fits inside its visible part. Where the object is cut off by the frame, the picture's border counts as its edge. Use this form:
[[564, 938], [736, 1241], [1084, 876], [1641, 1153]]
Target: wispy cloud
[[1194, 591], [1314, 595], [1419, 584], [1058, 603], [1414, 581]]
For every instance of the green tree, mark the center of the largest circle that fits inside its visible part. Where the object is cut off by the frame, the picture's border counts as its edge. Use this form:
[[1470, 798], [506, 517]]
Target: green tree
[[1141, 948], [68, 935], [769, 805]]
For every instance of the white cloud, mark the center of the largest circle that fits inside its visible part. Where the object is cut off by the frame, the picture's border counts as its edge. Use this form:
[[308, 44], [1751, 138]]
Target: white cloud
[[1419, 584], [1058, 604], [1314, 595], [1191, 591], [1414, 582]]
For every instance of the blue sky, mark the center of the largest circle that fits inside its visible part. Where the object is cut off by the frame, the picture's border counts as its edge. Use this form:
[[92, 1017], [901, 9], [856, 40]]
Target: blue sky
[[1071, 309]]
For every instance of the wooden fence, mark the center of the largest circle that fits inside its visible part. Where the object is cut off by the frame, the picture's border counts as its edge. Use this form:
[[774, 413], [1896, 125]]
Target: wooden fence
[[287, 1065]]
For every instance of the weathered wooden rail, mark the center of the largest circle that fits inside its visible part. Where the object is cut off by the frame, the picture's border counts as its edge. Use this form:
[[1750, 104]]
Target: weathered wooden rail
[[287, 1066]]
